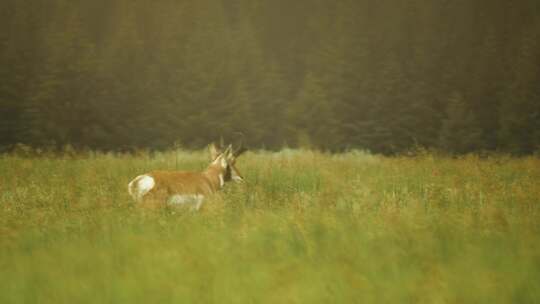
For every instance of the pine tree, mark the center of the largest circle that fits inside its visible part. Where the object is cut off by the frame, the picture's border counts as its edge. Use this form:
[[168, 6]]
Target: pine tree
[[62, 104], [460, 132], [19, 56], [519, 119], [312, 116], [270, 108]]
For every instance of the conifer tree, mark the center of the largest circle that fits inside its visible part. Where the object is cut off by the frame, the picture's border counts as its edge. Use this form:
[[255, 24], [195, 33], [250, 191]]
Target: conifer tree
[[519, 110], [312, 117], [460, 132]]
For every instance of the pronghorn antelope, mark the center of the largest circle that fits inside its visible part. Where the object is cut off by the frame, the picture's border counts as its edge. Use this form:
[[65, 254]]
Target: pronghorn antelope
[[188, 188]]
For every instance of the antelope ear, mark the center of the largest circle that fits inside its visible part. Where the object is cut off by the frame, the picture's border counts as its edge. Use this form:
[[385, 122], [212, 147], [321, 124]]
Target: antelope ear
[[214, 153]]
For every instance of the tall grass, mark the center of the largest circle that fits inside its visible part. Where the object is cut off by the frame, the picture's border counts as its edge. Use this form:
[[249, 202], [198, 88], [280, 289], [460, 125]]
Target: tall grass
[[305, 228]]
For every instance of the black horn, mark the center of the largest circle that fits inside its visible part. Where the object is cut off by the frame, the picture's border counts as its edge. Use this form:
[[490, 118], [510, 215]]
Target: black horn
[[221, 143], [241, 148]]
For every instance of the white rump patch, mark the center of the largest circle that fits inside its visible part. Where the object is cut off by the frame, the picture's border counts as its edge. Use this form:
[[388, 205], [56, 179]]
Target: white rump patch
[[141, 185], [187, 199]]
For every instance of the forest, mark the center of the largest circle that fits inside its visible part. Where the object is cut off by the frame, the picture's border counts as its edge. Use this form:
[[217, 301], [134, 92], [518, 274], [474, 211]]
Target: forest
[[382, 76]]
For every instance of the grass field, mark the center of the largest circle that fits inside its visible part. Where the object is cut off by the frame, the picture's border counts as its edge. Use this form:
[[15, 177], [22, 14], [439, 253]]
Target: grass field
[[305, 228]]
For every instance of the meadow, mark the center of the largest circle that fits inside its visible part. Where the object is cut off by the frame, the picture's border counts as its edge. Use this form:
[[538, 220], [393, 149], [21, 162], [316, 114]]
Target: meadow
[[306, 227]]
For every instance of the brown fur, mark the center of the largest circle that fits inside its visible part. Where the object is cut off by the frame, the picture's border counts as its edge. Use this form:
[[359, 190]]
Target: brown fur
[[178, 182]]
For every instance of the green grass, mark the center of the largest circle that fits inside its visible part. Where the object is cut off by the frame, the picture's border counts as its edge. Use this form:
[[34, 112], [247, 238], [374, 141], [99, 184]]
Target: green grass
[[305, 228]]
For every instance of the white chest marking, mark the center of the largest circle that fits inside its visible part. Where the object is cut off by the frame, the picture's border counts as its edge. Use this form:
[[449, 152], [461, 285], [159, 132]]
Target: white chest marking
[[221, 180]]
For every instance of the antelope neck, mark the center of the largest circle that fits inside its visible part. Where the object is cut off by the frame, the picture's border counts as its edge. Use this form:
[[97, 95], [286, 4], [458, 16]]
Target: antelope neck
[[215, 175]]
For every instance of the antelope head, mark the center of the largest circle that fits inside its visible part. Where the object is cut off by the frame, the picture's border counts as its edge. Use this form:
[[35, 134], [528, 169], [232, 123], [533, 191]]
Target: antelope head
[[228, 158]]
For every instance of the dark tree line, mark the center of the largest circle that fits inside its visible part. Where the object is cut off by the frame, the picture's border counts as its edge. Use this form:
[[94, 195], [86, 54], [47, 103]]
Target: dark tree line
[[385, 76]]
